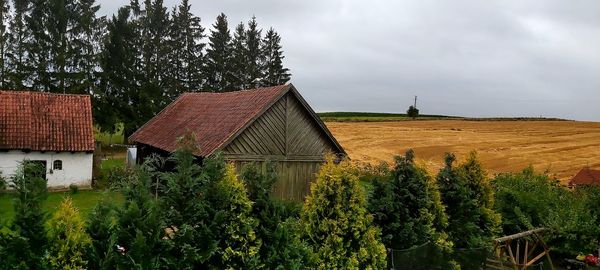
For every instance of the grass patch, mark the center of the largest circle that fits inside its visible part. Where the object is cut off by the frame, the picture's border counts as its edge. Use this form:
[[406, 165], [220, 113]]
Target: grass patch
[[107, 138], [389, 117], [111, 163], [84, 200]]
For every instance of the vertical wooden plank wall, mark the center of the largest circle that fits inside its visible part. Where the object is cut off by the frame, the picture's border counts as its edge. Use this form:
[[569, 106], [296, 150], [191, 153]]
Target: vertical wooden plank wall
[[288, 135]]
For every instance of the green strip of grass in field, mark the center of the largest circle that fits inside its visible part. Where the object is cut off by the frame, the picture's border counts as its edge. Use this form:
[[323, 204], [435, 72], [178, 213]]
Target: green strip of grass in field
[[385, 117]]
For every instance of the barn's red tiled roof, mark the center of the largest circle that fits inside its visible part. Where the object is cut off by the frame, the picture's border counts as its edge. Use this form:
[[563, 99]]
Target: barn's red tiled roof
[[586, 176], [45, 122], [213, 117]]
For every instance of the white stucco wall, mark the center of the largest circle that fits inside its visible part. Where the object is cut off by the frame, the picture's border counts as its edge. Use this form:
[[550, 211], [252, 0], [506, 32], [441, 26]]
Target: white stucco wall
[[77, 167]]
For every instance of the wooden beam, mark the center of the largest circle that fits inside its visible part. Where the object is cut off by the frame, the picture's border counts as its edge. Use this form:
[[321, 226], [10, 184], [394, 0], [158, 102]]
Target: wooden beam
[[519, 235], [244, 157], [518, 251], [512, 257], [525, 254], [537, 258]]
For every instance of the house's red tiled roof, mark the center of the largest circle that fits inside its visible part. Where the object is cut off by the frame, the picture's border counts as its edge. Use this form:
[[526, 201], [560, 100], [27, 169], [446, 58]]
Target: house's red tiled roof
[[586, 176], [45, 122], [213, 117]]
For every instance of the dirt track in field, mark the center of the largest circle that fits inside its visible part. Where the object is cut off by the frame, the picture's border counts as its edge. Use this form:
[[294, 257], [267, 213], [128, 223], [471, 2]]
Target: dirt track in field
[[561, 147]]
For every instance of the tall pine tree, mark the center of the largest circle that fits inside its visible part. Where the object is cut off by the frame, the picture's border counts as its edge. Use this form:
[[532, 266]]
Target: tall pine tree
[[217, 65], [4, 35], [28, 224], [186, 51], [274, 73], [120, 95], [41, 42], [469, 200], [239, 58], [254, 57], [17, 57], [407, 206], [154, 24], [85, 41]]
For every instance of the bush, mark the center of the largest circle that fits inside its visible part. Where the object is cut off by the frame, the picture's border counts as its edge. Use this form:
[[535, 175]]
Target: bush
[[139, 229], [73, 189], [469, 198], [67, 237], [407, 207], [114, 177], [335, 222], [528, 200], [232, 223], [28, 227], [101, 225], [3, 183], [278, 225], [207, 214]]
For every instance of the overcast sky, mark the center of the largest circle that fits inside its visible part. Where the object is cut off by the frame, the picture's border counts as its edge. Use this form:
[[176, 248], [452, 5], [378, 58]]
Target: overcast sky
[[467, 58]]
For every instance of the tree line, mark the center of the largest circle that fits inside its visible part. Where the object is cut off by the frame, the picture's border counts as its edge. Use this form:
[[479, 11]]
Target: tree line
[[135, 62]]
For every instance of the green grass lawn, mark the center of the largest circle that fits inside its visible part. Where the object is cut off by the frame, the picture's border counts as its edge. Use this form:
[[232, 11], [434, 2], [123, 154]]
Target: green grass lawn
[[110, 163], [84, 200]]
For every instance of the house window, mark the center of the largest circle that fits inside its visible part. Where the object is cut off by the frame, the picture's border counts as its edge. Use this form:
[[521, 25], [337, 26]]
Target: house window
[[57, 165]]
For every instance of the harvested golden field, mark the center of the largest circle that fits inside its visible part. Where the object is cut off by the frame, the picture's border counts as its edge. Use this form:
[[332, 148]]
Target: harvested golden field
[[561, 147]]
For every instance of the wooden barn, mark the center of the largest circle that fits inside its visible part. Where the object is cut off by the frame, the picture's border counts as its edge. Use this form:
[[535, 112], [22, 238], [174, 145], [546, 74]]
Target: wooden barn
[[273, 123]]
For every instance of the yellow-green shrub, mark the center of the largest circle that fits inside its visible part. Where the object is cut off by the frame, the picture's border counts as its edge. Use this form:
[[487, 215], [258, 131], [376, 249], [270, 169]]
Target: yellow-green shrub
[[67, 237], [336, 224]]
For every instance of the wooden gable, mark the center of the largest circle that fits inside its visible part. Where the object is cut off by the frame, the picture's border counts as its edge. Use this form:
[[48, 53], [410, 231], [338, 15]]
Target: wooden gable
[[285, 131]]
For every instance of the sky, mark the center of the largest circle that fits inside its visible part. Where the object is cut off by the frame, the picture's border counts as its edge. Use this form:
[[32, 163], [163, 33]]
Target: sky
[[466, 58]]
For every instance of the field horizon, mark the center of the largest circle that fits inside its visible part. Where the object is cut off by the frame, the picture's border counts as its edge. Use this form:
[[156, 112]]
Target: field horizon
[[342, 116]]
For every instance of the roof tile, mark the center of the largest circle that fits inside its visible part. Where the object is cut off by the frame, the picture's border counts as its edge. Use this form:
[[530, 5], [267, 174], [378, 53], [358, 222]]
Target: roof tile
[[213, 117], [586, 176], [45, 122]]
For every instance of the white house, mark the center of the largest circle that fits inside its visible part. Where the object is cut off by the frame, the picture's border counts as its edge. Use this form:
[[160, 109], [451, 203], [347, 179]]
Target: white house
[[52, 129]]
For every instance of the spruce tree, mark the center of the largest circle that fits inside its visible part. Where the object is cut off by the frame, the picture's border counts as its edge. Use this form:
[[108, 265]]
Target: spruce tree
[[336, 224], [407, 206], [39, 47], [85, 42], [68, 240], [278, 222], [4, 36], [239, 63], [140, 230], [272, 66], [122, 99], [217, 68], [254, 57], [58, 27], [186, 210], [28, 224], [101, 225], [469, 199], [186, 50], [17, 57]]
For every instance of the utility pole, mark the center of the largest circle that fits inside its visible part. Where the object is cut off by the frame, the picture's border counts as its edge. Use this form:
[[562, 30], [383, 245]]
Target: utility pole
[[415, 101]]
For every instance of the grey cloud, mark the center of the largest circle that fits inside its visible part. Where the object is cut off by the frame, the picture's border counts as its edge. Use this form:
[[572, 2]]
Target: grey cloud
[[472, 58]]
